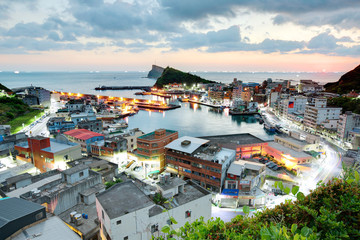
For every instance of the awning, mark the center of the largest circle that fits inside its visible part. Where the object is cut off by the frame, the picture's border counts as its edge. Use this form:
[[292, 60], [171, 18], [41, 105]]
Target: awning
[[154, 172], [230, 192]]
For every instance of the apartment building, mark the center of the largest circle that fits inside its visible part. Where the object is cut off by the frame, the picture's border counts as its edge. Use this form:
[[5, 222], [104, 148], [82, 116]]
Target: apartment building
[[237, 89], [150, 148], [347, 122], [199, 160], [317, 112], [294, 104]]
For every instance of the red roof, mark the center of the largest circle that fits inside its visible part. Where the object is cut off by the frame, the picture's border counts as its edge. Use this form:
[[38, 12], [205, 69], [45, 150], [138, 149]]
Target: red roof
[[82, 134]]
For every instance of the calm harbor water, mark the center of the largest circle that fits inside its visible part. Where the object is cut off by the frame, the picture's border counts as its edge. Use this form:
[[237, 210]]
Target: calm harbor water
[[191, 119]]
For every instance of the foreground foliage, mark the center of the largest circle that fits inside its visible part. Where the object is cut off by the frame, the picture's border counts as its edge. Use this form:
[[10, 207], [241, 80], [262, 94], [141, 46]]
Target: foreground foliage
[[331, 211]]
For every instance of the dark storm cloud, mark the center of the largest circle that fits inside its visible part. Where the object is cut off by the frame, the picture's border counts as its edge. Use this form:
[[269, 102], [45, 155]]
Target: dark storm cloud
[[163, 24]]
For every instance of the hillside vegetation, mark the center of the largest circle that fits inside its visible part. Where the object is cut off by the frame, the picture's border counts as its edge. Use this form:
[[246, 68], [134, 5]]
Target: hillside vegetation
[[171, 75], [331, 211], [347, 104], [15, 112], [349, 81]]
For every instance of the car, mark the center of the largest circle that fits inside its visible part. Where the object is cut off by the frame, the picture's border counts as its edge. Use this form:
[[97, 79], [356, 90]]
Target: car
[[2, 165], [271, 165], [263, 160], [275, 168]]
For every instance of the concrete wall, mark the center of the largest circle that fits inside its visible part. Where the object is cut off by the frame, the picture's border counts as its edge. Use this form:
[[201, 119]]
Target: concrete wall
[[70, 197], [137, 225]]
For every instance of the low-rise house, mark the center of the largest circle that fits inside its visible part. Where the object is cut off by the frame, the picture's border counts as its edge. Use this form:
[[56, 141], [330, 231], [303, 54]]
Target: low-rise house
[[107, 169], [9, 141], [245, 177], [48, 153], [73, 186], [110, 147], [59, 125], [16, 214], [131, 138], [91, 125], [139, 217], [84, 137]]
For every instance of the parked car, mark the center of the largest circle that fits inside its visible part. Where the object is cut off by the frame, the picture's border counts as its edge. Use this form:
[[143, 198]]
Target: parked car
[[263, 160], [2, 165], [277, 168], [269, 164]]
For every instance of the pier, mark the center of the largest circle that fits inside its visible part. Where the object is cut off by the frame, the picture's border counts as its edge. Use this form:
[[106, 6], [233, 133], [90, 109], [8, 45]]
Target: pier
[[145, 88], [140, 103], [205, 104]]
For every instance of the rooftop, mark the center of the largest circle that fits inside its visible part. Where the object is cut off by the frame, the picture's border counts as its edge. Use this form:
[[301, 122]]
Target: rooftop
[[293, 140], [235, 139], [57, 146], [18, 178], [82, 134], [52, 228], [20, 191], [237, 167], [186, 144], [126, 193], [75, 169], [289, 151], [151, 136], [174, 182], [89, 225], [14, 208]]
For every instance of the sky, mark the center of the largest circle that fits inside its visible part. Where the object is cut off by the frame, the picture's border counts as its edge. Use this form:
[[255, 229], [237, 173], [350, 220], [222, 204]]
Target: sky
[[191, 35]]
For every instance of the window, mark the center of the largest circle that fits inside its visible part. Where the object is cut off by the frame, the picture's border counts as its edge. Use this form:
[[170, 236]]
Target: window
[[66, 157], [154, 228], [126, 238], [118, 222], [103, 215], [81, 174], [39, 216], [187, 214]]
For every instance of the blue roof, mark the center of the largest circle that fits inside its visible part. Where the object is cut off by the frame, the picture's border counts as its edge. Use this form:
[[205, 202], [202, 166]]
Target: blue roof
[[230, 192]]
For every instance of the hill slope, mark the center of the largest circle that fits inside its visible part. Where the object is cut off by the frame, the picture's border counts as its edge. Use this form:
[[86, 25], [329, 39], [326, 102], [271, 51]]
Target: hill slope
[[171, 75], [155, 72], [349, 81]]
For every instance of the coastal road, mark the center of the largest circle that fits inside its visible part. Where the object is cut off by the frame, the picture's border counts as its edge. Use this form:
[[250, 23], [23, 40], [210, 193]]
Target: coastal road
[[225, 214], [40, 129]]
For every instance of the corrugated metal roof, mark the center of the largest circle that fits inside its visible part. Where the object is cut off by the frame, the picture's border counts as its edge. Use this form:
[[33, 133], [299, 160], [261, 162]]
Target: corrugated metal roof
[[14, 208], [82, 134]]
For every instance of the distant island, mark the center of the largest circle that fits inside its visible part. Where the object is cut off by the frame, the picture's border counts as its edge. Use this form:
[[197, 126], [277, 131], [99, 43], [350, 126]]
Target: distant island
[[348, 82], [172, 75], [155, 72]]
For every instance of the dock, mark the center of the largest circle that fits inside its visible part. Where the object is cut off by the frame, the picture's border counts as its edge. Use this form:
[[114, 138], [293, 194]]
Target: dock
[[146, 88], [205, 104], [231, 112]]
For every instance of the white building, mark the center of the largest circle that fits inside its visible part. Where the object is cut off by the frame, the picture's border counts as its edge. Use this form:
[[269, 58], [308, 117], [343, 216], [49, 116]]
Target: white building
[[318, 113], [347, 122], [126, 213], [294, 104]]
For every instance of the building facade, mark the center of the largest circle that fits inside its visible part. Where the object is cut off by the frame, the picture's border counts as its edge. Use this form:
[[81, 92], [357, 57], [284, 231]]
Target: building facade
[[48, 154], [139, 218], [150, 148], [347, 122], [84, 137], [197, 159], [59, 125], [317, 112]]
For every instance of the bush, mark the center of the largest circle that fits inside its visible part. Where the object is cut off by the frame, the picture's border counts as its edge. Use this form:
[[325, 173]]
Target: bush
[[331, 211]]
